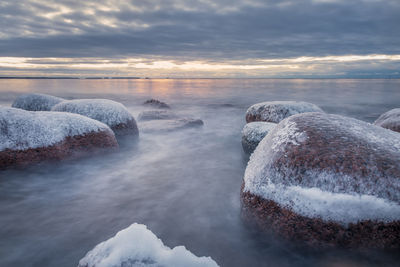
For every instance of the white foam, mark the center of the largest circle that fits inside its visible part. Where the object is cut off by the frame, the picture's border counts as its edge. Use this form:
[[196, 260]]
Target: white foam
[[107, 111], [138, 246], [20, 129], [36, 102]]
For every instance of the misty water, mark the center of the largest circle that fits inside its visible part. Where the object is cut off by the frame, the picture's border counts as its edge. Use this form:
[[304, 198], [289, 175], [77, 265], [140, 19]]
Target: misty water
[[183, 185]]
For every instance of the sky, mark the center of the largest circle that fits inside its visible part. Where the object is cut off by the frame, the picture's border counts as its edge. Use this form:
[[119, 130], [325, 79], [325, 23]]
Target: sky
[[201, 38]]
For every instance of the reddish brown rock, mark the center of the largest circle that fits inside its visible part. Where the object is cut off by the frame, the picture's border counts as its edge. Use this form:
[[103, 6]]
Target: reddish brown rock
[[390, 120], [326, 180]]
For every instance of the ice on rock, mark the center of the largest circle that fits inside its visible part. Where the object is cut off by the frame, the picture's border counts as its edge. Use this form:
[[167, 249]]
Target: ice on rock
[[137, 246], [21, 129], [390, 120], [253, 133], [36, 102], [275, 111]]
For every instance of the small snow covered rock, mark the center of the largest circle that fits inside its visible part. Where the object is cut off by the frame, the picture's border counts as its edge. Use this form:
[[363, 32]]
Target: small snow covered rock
[[275, 111], [327, 180], [253, 133], [156, 115], [36, 102], [390, 120], [169, 125], [156, 103], [109, 112], [137, 246], [28, 137]]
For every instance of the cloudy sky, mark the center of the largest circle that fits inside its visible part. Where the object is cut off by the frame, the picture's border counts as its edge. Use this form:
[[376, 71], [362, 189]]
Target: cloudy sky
[[200, 38]]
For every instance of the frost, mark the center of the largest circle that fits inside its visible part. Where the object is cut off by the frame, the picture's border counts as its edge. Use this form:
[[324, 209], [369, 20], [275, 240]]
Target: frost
[[20, 129], [275, 111], [256, 131], [107, 111], [290, 135], [137, 246], [390, 120], [36, 102]]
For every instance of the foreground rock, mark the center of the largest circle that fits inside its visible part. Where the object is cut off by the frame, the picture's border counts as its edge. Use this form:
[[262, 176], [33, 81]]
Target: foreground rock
[[390, 120], [169, 125], [156, 103], [156, 115], [275, 111], [109, 112], [253, 133], [30, 137], [138, 246], [36, 102], [326, 180]]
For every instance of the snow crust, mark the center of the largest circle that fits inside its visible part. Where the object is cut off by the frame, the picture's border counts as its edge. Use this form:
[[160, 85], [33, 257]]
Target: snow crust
[[275, 111], [137, 246], [107, 111], [256, 131], [36, 102], [156, 115], [20, 129], [324, 194]]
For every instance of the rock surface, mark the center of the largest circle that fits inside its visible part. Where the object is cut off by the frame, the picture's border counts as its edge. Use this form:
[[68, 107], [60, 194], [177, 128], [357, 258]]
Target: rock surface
[[169, 125], [156, 115], [109, 112], [253, 133], [138, 246], [156, 103], [30, 137], [390, 120], [326, 180], [36, 102], [275, 111]]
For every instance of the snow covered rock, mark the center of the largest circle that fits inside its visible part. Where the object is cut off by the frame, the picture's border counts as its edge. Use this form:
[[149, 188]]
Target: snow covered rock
[[275, 111], [253, 133], [390, 120], [156, 115], [156, 103], [36, 102], [327, 180], [169, 125], [30, 137], [137, 246], [109, 112]]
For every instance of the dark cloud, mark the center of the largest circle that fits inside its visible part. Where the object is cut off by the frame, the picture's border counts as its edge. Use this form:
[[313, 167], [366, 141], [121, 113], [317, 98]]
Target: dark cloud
[[198, 29]]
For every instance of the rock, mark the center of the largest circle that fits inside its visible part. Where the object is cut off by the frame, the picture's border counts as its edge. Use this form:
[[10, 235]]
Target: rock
[[326, 180], [169, 125], [138, 246], [156, 115], [275, 111], [28, 137], [390, 120], [253, 133], [36, 102], [109, 112], [156, 103]]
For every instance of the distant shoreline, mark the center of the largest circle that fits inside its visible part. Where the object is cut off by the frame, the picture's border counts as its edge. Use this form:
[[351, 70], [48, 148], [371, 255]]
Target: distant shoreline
[[203, 78]]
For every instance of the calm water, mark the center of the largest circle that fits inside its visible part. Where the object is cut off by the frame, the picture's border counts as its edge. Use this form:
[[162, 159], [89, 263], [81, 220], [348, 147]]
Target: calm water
[[183, 185]]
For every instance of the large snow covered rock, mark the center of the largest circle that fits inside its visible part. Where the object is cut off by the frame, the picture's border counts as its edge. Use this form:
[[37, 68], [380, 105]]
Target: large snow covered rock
[[275, 111], [156, 115], [138, 246], [156, 103], [326, 179], [36, 102], [253, 133], [169, 125], [390, 120], [30, 137], [109, 112]]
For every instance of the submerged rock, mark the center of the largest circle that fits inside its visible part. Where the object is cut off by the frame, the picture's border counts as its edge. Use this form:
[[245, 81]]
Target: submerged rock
[[253, 133], [275, 111], [156, 103], [109, 112], [36, 102], [156, 115], [326, 180], [390, 120], [138, 246], [169, 125], [28, 137]]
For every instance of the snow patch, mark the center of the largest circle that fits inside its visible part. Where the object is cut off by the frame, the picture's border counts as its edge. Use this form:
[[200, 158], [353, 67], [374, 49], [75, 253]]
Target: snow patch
[[36, 102], [138, 246]]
